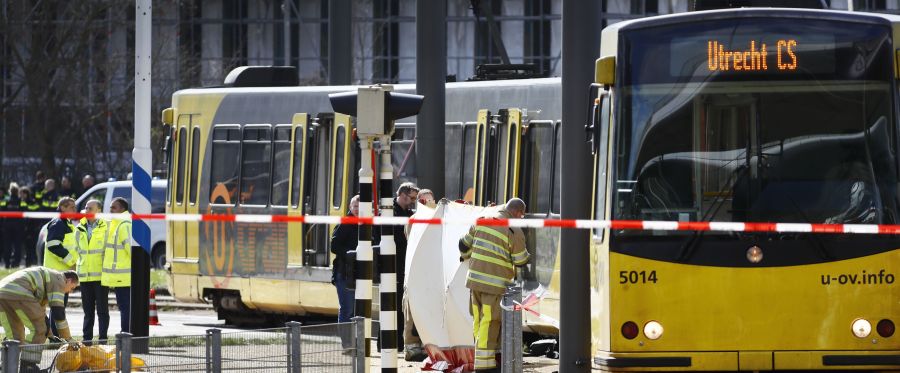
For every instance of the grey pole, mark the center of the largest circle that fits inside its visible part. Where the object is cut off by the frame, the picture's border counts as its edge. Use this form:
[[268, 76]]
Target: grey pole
[[580, 48], [214, 350], [123, 352], [294, 348], [142, 171], [340, 58], [10, 356], [286, 19], [511, 331], [431, 74], [359, 329]]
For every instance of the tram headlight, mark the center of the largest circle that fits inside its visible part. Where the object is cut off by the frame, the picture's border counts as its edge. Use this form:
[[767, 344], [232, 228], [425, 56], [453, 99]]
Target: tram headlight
[[885, 328], [630, 330], [653, 330], [861, 328], [754, 254]]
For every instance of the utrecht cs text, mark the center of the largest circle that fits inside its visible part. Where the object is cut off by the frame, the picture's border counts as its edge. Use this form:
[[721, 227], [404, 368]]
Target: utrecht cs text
[[752, 59]]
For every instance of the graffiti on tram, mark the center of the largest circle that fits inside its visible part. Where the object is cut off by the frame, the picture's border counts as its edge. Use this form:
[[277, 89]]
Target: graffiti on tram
[[239, 249]]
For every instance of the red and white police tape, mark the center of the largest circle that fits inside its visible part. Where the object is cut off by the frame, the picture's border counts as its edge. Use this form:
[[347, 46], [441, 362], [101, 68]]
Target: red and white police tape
[[647, 225]]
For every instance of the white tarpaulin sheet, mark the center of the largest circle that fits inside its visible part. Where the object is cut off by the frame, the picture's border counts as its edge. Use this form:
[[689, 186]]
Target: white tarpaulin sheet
[[436, 279]]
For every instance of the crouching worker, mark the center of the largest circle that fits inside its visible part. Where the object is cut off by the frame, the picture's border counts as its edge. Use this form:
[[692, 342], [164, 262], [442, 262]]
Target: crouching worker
[[23, 296]]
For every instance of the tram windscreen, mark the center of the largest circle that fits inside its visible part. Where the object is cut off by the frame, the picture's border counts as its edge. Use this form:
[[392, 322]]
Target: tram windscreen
[[756, 120]]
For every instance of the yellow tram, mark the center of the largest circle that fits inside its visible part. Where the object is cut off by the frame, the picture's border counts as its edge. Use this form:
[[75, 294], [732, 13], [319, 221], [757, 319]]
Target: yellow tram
[[252, 148], [747, 115]]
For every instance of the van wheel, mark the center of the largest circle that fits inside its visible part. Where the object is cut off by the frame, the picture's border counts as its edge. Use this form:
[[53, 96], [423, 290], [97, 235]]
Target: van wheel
[[158, 256]]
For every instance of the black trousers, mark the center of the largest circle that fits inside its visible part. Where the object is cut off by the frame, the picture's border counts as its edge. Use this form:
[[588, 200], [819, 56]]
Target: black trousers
[[95, 298], [13, 242]]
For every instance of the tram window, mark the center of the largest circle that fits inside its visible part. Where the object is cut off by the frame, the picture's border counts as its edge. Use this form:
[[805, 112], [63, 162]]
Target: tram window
[[256, 163], [602, 159], [557, 169], [195, 161], [537, 168], [224, 165], [502, 157], [299, 149], [281, 170], [338, 171], [179, 178], [453, 159], [468, 162], [170, 162]]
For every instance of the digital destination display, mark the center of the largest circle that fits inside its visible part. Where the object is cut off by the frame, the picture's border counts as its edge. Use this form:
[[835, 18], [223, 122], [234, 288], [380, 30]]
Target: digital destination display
[[752, 57], [736, 55]]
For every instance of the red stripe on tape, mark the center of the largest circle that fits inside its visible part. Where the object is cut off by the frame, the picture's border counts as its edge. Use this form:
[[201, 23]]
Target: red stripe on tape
[[693, 226], [626, 224], [426, 221], [560, 223], [287, 218], [827, 228], [492, 222], [217, 217], [759, 227]]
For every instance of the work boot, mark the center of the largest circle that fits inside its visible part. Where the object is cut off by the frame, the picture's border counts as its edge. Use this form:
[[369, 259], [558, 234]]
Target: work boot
[[414, 353]]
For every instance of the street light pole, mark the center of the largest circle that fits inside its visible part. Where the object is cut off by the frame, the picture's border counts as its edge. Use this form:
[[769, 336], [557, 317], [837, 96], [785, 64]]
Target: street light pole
[[141, 171]]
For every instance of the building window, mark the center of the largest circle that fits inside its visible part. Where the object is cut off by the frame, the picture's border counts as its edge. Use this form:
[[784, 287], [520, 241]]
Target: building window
[[385, 34], [234, 33], [485, 50]]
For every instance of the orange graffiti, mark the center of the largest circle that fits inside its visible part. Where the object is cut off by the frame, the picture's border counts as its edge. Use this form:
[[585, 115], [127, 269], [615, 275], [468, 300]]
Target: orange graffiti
[[222, 260]]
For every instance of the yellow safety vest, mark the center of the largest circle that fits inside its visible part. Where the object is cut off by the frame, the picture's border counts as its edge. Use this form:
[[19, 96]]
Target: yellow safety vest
[[90, 251], [117, 254], [61, 264]]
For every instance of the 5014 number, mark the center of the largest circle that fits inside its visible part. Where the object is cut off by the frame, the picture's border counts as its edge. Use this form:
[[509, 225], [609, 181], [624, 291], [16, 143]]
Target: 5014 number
[[637, 277]]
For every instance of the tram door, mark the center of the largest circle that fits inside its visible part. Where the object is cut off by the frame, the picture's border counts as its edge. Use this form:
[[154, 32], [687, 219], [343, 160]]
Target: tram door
[[482, 179], [725, 127], [508, 142], [297, 191], [180, 190], [315, 198]]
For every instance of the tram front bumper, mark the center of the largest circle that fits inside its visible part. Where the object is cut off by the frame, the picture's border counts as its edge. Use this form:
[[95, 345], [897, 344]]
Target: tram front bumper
[[748, 360]]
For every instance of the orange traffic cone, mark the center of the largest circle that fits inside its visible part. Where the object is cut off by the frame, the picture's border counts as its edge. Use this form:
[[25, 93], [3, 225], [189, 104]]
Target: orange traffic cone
[[154, 319]]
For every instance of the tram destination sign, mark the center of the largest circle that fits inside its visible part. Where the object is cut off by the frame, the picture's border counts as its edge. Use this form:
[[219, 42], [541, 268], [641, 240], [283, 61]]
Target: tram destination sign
[[737, 54]]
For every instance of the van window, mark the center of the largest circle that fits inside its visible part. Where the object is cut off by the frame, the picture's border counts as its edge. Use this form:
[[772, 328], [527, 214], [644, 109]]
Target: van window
[[99, 194], [123, 192], [157, 200]]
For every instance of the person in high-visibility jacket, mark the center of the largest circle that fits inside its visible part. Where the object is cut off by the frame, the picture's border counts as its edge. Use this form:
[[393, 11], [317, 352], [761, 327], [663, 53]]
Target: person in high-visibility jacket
[[90, 235], [23, 296], [60, 251], [493, 253], [116, 272]]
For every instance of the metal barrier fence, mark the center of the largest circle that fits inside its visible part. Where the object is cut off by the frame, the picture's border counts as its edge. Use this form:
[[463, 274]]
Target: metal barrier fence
[[294, 348]]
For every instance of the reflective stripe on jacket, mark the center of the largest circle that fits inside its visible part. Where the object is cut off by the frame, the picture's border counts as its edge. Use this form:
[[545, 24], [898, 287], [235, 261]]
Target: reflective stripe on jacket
[[116, 271], [493, 253], [59, 246], [42, 284], [90, 250]]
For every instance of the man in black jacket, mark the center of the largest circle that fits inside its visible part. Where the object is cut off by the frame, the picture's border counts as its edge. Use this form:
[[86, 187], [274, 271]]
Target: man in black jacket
[[344, 238], [404, 205]]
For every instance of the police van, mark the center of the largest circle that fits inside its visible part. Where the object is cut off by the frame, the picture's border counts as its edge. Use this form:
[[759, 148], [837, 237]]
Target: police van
[[105, 193]]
